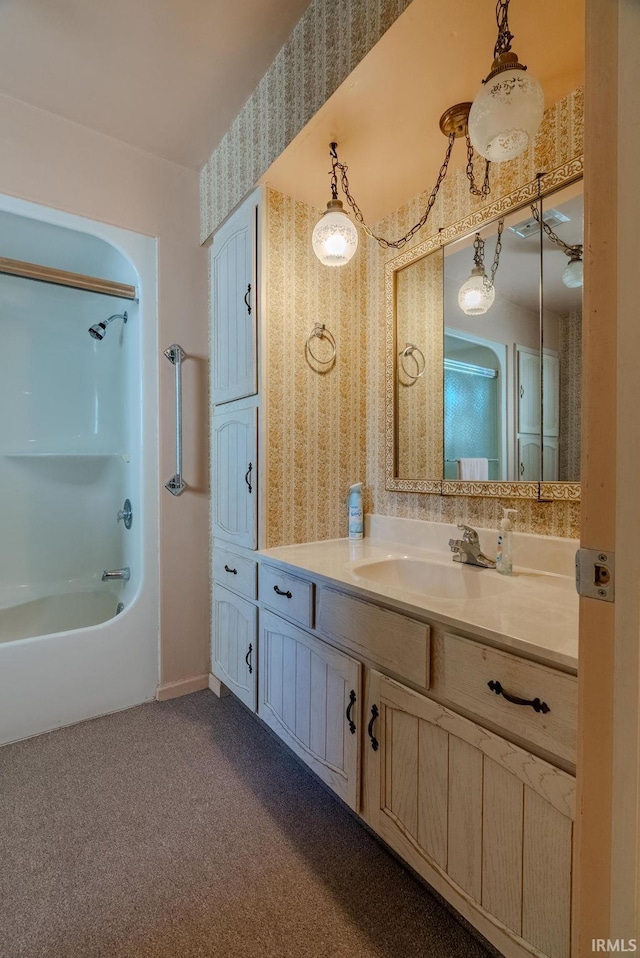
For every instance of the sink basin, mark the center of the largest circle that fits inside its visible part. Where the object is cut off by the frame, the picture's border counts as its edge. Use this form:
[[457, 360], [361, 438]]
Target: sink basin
[[424, 577]]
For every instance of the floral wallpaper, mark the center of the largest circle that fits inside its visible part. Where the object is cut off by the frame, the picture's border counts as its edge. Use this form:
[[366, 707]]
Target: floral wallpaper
[[330, 39]]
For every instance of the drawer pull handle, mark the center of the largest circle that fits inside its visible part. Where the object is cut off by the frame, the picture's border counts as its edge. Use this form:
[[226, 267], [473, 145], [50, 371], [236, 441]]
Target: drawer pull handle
[[280, 592], [535, 704], [247, 476], [352, 702], [374, 715], [247, 658], [232, 571], [246, 299]]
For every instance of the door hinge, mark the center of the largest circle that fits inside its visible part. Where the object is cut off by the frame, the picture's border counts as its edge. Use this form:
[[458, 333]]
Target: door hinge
[[595, 574]]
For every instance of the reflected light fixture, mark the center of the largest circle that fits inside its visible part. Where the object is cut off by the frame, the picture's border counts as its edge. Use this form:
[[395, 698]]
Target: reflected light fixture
[[335, 237], [573, 275], [507, 112], [506, 115], [478, 292]]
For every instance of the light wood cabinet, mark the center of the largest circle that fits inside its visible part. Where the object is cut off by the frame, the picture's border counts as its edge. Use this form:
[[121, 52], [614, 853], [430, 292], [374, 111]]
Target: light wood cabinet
[[233, 644], [475, 815], [309, 694], [234, 306]]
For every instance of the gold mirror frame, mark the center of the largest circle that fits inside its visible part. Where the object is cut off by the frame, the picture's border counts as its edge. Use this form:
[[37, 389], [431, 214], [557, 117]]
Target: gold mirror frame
[[543, 491]]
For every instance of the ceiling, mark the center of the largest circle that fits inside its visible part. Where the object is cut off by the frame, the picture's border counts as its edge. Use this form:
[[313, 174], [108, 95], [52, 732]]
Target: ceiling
[[167, 76], [385, 115]]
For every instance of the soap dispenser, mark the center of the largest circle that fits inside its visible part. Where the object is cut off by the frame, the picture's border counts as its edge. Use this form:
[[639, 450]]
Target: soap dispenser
[[356, 515], [503, 555]]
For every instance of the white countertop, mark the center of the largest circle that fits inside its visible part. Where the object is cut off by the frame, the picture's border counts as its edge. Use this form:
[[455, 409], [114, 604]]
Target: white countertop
[[535, 614]]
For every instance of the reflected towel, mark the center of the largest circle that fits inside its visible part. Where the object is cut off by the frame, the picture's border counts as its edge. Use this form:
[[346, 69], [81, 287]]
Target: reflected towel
[[473, 469]]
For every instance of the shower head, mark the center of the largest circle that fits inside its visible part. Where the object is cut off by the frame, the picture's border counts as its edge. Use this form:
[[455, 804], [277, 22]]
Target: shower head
[[99, 330]]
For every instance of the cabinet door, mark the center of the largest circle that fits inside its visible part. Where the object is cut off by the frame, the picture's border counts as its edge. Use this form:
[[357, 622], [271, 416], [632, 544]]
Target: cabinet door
[[309, 694], [551, 394], [528, 386], [234, 630], [529, 465], [473, 814], [233, 305], [549, 459], [234, 476]]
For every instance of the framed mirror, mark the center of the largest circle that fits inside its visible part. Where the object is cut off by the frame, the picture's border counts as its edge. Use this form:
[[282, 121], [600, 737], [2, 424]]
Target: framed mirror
[[484, 399]]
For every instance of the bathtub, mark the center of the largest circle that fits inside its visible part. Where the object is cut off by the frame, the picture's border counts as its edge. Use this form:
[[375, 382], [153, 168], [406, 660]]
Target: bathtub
[[82, 438], [57, 613]]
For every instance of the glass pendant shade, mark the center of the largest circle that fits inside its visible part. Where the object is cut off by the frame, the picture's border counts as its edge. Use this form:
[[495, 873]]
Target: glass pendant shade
[[335, 238], [573, 274], [506, 114], [476, 295]]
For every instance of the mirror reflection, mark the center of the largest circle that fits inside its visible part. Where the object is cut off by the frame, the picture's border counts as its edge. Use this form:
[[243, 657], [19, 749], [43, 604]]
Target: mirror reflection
[[488, 377]]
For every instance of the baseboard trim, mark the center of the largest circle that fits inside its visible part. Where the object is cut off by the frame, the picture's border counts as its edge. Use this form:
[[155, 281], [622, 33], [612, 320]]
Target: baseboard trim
[[217, 687], [172, 690]]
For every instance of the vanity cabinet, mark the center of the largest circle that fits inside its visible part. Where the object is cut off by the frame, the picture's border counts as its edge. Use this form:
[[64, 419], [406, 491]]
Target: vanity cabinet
[[309, 694], [396, 715], [233, 644], [473, 814]]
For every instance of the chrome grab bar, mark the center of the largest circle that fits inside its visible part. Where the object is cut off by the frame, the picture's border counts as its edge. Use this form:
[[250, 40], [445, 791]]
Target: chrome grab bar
[[176, 485]]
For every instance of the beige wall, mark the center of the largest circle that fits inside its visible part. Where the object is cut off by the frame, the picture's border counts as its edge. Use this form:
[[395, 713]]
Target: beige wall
[[51, 161]]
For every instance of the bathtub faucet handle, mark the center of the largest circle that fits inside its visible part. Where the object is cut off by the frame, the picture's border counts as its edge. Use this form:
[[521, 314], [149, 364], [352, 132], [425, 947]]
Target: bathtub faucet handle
[[126, 514], [125, 574]]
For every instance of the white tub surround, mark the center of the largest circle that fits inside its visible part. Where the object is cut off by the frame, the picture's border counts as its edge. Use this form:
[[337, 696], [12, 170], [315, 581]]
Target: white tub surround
[[82, 437], [533, 612]]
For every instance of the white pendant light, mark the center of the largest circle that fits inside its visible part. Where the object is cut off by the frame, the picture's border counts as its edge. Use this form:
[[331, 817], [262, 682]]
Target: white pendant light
[[507, 112], [334, 238], [477, 294], [573, 275]]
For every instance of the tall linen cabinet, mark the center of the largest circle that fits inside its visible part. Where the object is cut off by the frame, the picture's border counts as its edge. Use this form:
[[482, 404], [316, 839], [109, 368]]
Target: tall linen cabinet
[[236, 304]]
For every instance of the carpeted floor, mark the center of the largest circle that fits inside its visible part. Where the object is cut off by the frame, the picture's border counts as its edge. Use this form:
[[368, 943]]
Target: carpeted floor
[[183, 830]]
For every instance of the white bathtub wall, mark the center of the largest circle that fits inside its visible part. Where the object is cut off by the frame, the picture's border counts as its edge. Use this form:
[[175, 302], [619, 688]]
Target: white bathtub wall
[[49, 160], [61, 529]]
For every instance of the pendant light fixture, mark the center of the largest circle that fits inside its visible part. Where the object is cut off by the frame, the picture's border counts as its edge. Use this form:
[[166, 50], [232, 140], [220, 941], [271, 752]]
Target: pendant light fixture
[[478, 292], [573, 275], [506, 116], [335, 238], [507, 112]]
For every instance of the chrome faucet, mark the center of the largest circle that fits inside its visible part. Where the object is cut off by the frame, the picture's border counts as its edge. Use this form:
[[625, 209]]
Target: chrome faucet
[[117, 574], [468, 549]]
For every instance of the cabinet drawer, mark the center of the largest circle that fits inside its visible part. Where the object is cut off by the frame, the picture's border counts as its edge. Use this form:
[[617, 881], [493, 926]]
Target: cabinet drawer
[[235, 572], [389, 640], [286, 594], [463, 670]]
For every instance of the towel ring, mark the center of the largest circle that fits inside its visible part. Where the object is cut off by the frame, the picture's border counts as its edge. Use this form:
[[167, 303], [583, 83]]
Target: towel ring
[[409, 350], [320, 331]]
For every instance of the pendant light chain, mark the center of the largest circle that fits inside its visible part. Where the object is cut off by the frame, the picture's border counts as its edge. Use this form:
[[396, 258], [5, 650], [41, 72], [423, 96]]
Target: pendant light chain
[[573, 252], [485, 189], [399, 243], [503, 43], [478, 255]]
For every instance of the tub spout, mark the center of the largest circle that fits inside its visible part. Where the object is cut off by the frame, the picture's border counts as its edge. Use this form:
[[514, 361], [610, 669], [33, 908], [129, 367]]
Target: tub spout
[[117, 574]]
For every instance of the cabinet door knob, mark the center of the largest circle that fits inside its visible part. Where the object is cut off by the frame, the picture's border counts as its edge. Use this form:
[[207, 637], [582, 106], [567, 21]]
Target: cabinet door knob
[[535, 704], [352, 702], [374, 715], [246, 299]]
